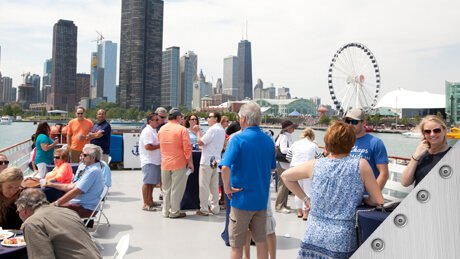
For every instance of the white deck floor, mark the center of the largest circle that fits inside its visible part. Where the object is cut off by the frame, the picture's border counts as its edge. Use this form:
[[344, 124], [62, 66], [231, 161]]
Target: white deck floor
[[152, 236]]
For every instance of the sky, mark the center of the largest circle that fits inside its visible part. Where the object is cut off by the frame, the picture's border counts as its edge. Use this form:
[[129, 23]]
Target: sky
[[415, 42]]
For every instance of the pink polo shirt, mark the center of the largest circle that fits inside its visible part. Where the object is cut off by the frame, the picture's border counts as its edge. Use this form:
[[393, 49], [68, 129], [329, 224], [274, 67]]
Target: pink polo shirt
[[175, 146]]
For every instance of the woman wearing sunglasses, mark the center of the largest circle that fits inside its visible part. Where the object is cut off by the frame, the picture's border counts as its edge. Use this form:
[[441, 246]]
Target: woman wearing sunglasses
[[62, 172], [10, 187], [431, 149], [3, 162], [189, 122]]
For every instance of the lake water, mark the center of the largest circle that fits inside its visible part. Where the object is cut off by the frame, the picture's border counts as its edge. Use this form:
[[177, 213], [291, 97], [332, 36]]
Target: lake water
[[396, 144]]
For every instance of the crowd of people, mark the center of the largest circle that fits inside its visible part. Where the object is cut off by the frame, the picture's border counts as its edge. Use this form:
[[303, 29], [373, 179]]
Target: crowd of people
[[239, 158]]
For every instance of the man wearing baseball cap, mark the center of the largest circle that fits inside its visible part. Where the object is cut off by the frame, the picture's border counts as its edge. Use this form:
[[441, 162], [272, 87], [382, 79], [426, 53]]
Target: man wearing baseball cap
[[369, 147]]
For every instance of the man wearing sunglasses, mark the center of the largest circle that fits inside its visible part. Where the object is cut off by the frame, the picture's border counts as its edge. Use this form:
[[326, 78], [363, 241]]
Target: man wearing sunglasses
[[369, 147], [77, 134], [212, 142], [162, 117], [3, 162]]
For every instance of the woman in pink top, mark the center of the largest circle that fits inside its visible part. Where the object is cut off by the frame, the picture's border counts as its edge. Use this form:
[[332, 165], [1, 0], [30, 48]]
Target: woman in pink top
[[62, 173]]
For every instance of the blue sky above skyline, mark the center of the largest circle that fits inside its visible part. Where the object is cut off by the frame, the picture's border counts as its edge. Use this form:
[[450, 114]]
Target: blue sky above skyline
[[416, 43]]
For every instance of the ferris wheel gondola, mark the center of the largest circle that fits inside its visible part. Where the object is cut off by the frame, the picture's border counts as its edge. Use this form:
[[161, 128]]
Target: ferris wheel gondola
[[354, 78]]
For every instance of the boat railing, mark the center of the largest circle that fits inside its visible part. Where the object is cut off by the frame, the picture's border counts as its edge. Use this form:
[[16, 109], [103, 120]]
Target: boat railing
[[19, 155]]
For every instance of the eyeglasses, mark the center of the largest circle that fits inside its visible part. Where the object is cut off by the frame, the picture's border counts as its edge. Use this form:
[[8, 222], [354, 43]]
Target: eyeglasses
[[193, 120], [352, 122], [79, 113], [209, 117], [163, 117], [84, 155], [4, 162], [435, 131], [56, 157]]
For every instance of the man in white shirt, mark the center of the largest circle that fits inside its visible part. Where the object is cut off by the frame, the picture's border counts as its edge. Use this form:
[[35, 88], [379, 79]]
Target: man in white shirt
[[212, 142], [149, 153]]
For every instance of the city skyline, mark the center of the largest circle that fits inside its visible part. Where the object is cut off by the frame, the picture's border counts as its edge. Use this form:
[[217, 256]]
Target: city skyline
[[414, 42]]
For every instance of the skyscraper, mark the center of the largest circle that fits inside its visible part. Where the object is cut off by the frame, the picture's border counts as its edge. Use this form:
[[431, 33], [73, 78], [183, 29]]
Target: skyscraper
[[230, 86], [258, 89], [83, 85], [46, 80], [104, 71], [64, 66], [170, 77], [186, 80], [201, 89], [244, 70], [141, 44]]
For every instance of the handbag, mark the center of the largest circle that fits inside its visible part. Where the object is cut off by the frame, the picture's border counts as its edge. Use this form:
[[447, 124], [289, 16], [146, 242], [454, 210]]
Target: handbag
[[280, 157]]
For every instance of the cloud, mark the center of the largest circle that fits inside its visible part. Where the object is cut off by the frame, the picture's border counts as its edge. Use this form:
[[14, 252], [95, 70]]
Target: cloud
[[293, 41]]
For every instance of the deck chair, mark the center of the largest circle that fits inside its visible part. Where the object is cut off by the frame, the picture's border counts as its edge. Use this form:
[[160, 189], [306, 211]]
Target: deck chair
[[122, 247], [98, 212]]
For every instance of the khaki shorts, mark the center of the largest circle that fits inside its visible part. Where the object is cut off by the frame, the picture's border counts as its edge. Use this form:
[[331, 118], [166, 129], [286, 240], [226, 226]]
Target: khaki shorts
[[241, 221]]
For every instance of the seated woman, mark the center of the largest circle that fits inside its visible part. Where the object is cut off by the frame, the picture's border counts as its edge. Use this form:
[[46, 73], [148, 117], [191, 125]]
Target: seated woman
[[338, 184], [62, 172], [431, 149], [10, 188]]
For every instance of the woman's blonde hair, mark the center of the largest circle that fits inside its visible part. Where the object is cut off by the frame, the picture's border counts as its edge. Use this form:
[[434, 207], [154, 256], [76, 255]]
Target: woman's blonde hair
[[308, 133], [432, 118], [10, 174]]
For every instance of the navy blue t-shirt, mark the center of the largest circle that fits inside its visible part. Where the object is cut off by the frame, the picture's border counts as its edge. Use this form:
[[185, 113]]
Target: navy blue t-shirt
[[104, 141]]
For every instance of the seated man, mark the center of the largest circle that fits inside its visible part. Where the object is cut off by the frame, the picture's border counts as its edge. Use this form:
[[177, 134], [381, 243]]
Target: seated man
[[83, 194], [65, 238]]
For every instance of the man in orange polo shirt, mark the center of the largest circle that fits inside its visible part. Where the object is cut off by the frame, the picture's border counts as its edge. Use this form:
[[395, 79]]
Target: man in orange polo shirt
[[77, 134], [176, 157]]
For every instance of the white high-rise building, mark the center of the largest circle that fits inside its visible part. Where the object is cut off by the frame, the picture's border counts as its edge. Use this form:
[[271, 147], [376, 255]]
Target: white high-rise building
[[201, 89], [230, 84]]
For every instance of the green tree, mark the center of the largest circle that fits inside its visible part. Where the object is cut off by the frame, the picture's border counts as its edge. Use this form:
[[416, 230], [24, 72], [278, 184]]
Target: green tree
[[7, 110], [324, 120], [439, 114]]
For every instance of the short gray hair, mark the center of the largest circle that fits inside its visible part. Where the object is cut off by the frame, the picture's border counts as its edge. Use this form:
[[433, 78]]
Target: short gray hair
[[251, 111], [94, 151], [31, 199], [160, 110]]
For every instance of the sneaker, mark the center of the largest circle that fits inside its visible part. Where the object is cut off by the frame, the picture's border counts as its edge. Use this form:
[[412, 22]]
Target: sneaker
[[181, 215], [283, 210], [201, 213]]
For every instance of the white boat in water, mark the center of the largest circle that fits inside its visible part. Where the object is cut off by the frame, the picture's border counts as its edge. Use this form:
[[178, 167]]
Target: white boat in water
[[6, 120], [412, 134]]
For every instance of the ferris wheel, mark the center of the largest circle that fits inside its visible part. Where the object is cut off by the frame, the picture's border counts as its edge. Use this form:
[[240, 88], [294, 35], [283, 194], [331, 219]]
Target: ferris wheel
[[354, 78]]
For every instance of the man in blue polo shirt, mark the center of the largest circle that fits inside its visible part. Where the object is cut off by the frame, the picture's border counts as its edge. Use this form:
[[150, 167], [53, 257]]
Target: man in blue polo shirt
[[246, 168], [100, 134]]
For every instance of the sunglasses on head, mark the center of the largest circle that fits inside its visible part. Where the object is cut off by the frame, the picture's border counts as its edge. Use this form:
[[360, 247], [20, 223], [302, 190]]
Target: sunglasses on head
[[4, 162], [428, 132], [352, 122]]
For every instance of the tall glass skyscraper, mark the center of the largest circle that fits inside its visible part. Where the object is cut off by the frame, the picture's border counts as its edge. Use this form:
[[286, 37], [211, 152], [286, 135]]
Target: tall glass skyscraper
[[141, 44], [170, 78], [64, 67], [187, 75], [244, 70], [230, 86], [104, 71]]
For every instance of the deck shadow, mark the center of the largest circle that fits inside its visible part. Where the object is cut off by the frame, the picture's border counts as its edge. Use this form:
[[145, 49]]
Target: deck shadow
[[108, 232], [122, 199], [110, 248], [284, 243]]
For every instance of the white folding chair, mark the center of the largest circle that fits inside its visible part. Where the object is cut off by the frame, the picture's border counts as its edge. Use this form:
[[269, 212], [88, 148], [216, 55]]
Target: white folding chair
[[98, 211], [122, 247]]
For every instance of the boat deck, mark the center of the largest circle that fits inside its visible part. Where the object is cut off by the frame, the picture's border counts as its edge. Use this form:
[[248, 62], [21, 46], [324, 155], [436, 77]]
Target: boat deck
[[152, 236]]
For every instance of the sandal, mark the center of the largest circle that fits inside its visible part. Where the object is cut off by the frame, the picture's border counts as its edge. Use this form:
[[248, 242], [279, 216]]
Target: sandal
[[150, 208]]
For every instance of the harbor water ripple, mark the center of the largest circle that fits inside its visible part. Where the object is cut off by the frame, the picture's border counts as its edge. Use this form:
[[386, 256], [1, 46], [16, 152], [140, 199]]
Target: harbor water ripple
[[396, 144]]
